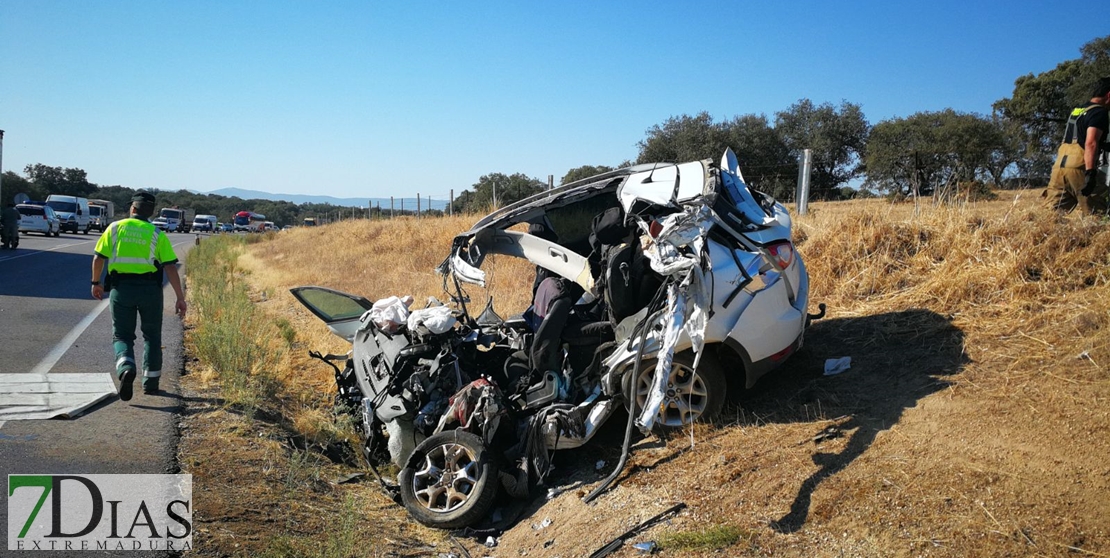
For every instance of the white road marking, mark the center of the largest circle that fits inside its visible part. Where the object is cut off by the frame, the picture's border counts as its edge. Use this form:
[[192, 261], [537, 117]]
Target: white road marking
[[60, 349]]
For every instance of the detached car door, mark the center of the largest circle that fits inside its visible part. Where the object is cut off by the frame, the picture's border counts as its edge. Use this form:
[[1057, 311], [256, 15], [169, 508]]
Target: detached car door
[[339, 310]]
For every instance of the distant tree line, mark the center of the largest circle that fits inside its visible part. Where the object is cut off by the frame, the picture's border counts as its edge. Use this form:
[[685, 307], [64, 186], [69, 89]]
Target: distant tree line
[[42, 180], [918, 154], [922, 153]]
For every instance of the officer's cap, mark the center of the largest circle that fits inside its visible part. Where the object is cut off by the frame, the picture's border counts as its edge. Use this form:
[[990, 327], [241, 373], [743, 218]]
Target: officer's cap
[[142, 197]]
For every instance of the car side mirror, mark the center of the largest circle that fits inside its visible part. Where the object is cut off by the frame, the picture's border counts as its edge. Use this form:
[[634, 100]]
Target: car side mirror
[[79, 211]]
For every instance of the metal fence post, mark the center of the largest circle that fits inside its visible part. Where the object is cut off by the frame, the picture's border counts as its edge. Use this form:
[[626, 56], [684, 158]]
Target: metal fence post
[[805, 169]]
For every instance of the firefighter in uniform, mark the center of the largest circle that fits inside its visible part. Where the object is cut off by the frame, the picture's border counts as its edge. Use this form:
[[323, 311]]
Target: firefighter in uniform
[[1076, 181], [136, 254]]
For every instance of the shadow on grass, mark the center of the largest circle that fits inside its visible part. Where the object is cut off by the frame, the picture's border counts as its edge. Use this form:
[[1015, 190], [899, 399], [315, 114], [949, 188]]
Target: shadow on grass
[[898, 358]]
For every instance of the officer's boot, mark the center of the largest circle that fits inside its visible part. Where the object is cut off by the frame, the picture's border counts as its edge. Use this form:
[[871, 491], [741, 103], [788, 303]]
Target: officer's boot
[[126, 373], [150, 381]]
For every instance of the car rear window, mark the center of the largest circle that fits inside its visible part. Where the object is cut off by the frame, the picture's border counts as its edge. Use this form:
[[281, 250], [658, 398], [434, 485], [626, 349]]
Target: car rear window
[[30, 210]]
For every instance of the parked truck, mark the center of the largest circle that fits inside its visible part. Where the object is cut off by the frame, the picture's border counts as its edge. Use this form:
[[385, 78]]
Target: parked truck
[[174, 219], [101, 214]]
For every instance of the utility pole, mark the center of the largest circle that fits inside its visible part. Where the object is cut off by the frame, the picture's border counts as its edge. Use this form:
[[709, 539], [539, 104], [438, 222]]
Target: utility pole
[[390, 207], [418, 205], [451, 204], [1, 164]]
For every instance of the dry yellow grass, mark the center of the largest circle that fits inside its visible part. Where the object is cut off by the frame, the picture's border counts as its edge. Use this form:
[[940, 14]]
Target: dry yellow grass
[[974, 420]]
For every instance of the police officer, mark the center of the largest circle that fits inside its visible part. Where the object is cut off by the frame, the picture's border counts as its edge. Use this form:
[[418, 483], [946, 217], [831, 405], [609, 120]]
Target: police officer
[[136, 254], [1076, 180]]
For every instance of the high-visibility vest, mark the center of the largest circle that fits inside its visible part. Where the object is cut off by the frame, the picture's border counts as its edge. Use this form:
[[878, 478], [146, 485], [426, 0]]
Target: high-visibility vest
[[134, 246]]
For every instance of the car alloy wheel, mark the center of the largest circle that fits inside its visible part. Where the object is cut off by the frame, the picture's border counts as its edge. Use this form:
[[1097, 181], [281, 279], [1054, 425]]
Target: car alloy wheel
[[449, 481]]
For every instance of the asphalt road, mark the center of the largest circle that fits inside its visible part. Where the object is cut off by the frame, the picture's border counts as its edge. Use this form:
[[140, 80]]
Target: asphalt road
[[44, 300]]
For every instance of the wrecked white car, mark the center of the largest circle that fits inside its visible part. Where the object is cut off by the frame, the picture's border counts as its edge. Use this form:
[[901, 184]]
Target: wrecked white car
[[657, 287]]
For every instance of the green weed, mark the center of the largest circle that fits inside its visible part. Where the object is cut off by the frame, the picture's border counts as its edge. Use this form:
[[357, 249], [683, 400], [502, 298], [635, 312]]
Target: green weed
[[711, 538], [231, 335]]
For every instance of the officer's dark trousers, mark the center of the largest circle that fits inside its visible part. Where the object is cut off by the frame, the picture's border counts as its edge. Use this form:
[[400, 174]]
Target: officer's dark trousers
[[142, 300]]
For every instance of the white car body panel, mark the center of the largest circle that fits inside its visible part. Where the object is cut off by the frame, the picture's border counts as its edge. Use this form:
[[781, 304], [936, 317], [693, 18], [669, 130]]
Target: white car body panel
[[543, 253], [658, 186], [780, 323]]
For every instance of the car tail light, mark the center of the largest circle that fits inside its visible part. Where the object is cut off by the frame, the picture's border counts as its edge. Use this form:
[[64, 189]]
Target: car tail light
[[782, 253], [781, 355]]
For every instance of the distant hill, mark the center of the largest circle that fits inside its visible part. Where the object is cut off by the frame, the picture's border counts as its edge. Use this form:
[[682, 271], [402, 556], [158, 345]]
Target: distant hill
[[408, 203]]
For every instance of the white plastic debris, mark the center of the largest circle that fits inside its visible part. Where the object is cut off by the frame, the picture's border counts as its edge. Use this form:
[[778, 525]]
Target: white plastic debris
[[600, 465], [437, 319], [834, 366], [543, 524], [646, 547], [491, 542], [389, 314]]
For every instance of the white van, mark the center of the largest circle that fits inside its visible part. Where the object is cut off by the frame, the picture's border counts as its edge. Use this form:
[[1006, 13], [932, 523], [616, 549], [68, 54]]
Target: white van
[[204, 223], [73, 211]]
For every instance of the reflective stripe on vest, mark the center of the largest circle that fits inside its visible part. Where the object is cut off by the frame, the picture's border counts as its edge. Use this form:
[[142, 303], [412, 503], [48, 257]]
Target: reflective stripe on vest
[[125, 264]]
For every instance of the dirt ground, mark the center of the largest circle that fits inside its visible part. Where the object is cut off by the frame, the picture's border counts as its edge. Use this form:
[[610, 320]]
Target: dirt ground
[[973, 421]]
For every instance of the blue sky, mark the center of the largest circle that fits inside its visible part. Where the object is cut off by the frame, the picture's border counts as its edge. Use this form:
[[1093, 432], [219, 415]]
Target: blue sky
[[372, 99]]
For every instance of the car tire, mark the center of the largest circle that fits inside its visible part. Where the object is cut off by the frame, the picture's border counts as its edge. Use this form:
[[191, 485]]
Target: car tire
[[692, 396], [470, 489]]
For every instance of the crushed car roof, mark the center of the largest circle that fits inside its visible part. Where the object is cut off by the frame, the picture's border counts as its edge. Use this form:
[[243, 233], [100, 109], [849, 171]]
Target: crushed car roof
[[661, 181]]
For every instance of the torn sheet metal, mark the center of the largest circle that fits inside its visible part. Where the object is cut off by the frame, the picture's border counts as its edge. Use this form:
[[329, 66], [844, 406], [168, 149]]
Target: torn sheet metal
[[677, 253], [47, 396], [466, 272]]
